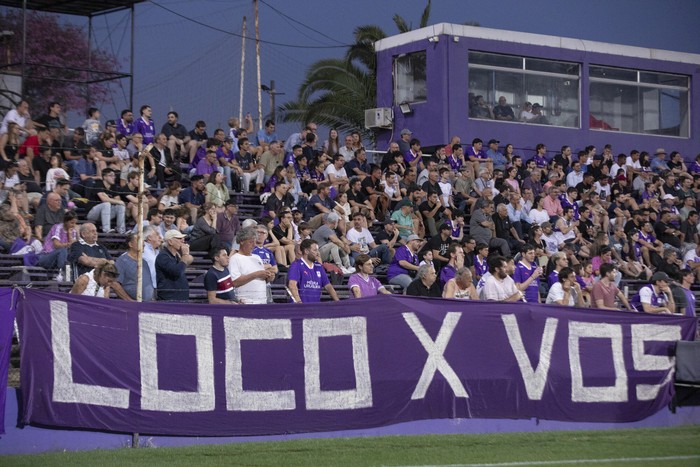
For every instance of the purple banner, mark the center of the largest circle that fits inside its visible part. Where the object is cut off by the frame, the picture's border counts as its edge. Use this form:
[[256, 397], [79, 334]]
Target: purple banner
[[251, 370], [7, 319]]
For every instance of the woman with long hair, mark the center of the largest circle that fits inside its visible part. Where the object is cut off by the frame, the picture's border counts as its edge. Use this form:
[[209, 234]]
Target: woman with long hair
[[9, 145], [217, 193], [168, 199], [511, 178], [332, 145], [204, 235], [538, 214]]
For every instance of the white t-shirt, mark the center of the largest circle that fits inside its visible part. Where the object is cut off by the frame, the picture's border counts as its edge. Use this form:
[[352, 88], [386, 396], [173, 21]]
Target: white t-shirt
[[556, 293], [634, 164], [446, 188], [255, 291], [363, 237], [538, 217], [53, 175], [12, 116], [616, 168], [498, 290], [336, 173], [690, 256]]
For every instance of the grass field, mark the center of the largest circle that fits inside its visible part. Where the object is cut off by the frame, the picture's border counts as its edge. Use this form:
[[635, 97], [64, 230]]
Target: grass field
[[664, 446]]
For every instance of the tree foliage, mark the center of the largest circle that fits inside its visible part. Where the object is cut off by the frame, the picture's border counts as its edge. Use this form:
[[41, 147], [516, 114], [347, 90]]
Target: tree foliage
[[50, 45], [336, 92]]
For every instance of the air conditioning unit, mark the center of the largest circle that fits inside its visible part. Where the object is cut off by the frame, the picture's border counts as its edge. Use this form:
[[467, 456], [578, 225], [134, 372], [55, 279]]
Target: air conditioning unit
[[382, 117]]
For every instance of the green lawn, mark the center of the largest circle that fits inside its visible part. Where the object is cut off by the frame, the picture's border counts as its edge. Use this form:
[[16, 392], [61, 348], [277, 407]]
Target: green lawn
[[664, 446]]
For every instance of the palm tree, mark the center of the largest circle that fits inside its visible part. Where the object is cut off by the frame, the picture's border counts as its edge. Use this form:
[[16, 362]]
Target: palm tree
[[336, 92]]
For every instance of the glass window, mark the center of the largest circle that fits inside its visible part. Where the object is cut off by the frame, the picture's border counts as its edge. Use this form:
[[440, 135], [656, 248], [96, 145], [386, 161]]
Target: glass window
[[410, 78], [504, 61], [551, 89], [654, 103]]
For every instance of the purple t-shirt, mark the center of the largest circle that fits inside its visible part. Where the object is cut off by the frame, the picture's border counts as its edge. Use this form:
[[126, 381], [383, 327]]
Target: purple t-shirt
[[566, 203], [265, 255], [470, 152], [553, 278], [402, 254], [446, 273], [221, 154], [310, 281], [368, 288], [147, 129], [481, 267], [522, 274], [694, 168], [540, 161], [455, 163], [126, 129], [409, 157]]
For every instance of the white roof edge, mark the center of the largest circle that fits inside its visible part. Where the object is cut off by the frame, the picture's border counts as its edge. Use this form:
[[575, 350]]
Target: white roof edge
[[568, 43]]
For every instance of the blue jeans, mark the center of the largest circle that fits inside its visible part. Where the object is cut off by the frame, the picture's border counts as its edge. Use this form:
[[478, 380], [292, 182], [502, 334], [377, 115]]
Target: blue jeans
[[55, 260]]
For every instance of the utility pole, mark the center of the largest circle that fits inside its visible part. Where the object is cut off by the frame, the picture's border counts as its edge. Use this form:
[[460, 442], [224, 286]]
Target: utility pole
[[257, 57], [272, 93], [240, 98]]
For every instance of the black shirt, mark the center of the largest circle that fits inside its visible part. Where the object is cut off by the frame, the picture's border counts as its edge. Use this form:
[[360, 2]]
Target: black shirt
[[99, 187], [430, 188], [417, 289], [503, 226], [425, 206]]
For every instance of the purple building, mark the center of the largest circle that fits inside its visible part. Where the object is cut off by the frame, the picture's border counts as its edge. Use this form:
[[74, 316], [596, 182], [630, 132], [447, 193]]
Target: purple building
[[581, 92]]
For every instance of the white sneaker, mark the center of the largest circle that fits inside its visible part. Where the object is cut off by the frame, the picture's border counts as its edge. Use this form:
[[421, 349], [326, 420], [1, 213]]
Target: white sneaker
[[349, 270], [59, 277]]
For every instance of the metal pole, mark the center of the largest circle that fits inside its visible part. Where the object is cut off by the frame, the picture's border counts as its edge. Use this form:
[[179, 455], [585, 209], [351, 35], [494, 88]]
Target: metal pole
[[240, 97], [273, 91], [257, 59], [139, 236]]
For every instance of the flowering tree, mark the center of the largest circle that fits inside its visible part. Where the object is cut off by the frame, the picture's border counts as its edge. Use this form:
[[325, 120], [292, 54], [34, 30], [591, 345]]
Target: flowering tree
[[56, 51]]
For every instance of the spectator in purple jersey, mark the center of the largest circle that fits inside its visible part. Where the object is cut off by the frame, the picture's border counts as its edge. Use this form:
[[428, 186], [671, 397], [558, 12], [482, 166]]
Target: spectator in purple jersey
[[527, 275], [541, 156], [456, 159], [145, 125], [694, 168], [405, 262], [227, 161], [687, 277], [307, 277], [656, 297], [362, 283], [476, 155], [414, 156], [568, 198], [126, 125]]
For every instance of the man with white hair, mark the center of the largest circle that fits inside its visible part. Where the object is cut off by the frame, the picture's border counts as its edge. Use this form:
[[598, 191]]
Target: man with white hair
[[248, 272], [152, 240]]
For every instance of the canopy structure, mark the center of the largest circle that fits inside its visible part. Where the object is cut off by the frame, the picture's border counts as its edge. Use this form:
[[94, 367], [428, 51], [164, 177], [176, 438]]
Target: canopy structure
[[84, 8]]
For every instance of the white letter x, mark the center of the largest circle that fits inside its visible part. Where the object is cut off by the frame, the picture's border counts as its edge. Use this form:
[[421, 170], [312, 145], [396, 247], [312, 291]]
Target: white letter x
[[436, 360]]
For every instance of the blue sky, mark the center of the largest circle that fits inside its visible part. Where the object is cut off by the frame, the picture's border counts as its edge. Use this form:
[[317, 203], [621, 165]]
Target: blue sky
[[195, 69]]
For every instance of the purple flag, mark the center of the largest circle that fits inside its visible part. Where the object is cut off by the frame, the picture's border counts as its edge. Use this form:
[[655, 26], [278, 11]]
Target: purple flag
[[160, 368], [7, 319]]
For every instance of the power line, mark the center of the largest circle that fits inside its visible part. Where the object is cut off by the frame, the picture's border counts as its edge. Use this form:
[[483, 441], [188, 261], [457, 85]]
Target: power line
[[300, 23], [208, 26]]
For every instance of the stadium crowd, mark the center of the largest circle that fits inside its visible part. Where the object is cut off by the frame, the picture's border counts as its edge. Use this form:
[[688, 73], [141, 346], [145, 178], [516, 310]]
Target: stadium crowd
[[471, 221]]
